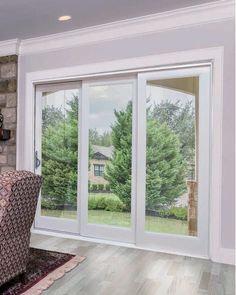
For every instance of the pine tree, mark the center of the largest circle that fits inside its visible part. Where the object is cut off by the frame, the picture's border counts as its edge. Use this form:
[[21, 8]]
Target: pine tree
[[118, 173], [59, 159], [51, 116], [100, 139], [180, 118], [164, 165]]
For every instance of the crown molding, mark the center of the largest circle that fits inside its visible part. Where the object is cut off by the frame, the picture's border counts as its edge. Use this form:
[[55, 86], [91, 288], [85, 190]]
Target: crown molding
[[9, 47], [189, 16], [181, 18]]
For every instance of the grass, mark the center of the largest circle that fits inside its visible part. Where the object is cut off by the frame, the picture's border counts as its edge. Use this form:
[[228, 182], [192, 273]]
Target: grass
[[109, 218], [153, 224], [101, 195], [166, 225]]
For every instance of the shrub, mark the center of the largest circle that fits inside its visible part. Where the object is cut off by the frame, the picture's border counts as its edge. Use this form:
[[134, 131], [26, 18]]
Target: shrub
[[114, 204], [101, 187], [103, 202], [52, 204], [179, 213], [92, 203], [48, 203], [94, 187], [107, 187]]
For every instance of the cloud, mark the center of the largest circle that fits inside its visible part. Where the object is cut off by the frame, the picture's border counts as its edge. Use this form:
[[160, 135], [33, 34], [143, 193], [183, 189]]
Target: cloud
[[103, 100]]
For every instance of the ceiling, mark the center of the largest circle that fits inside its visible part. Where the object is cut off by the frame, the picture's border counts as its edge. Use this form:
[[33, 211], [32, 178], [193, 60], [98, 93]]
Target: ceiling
[[32, 18]]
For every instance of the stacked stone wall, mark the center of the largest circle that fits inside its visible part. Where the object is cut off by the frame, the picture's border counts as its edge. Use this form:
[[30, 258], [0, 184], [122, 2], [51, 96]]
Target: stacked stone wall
[[8, 107]]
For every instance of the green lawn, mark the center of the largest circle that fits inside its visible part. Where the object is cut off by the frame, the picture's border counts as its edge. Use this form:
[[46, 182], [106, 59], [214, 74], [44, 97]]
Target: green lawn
[[153, 224], [109, 218], [91, 195]]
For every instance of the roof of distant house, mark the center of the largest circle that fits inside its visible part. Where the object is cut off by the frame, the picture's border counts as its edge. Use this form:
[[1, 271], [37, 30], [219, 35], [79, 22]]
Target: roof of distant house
[[105, 151]]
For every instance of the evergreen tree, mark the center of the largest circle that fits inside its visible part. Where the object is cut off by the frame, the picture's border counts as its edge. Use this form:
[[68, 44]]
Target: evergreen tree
[[164, 165], [96, 139], [51, 116], [118, 173], [180, 118], [59, 154]]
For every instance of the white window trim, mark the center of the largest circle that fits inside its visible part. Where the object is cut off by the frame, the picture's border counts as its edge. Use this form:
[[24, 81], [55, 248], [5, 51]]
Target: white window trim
[[213, 55]]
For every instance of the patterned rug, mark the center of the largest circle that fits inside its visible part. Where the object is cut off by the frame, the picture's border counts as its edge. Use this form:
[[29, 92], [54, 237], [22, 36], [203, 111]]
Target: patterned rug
[[44, 267]]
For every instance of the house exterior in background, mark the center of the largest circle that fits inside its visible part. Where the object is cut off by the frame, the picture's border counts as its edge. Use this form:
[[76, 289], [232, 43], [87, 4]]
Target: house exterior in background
[[101, 157]]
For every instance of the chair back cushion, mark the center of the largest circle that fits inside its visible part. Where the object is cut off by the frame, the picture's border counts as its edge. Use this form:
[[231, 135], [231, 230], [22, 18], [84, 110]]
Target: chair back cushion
[[19, 192]]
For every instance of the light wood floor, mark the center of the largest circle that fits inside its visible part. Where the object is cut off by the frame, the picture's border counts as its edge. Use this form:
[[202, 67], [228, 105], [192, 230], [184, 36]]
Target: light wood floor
[[113, 270]]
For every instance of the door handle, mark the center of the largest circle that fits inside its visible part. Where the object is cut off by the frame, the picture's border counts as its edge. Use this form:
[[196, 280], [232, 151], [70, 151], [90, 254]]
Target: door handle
[[37, 161]]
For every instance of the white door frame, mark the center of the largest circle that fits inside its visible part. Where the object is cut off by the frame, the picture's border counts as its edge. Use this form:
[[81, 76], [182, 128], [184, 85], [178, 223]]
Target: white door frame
[[214, 55], [188, 245]]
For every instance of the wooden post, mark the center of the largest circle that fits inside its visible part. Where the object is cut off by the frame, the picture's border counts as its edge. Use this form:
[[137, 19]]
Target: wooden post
[[192, 207]]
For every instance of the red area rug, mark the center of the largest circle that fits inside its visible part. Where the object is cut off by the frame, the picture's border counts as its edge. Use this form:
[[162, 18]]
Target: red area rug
[[43, 269]]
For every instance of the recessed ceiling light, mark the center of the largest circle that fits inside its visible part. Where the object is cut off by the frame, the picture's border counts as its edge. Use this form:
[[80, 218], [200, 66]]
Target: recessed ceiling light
[[64, 18]]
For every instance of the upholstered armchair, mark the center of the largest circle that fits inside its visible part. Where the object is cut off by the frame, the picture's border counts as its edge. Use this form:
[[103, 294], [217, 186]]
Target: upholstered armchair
[[19, 192]]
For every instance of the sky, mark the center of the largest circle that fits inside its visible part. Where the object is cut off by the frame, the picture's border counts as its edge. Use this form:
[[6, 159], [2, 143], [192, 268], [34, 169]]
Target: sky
[[104, 99]]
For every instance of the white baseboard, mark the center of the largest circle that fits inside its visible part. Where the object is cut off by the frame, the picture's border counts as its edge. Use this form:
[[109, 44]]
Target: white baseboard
[[225, 255]]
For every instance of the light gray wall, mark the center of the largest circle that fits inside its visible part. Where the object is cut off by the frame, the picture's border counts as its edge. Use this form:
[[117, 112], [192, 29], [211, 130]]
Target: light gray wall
[[202, 36]]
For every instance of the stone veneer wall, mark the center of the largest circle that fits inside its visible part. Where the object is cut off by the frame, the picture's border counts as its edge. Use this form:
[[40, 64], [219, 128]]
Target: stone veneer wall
[[8, 104]]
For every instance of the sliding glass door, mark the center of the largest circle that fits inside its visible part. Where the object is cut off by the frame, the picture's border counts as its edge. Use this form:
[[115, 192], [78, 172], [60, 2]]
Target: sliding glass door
[[108, 194], [173, 184], [56, 155], [84, 147], [127, 159]]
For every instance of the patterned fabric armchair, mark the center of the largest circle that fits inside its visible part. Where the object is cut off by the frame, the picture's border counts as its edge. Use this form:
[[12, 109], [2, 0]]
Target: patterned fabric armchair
[[19, 192]]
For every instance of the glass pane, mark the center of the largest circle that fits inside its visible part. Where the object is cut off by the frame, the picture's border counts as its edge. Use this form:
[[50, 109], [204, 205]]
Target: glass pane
[[59, 153], [171, 156], [110, 154]]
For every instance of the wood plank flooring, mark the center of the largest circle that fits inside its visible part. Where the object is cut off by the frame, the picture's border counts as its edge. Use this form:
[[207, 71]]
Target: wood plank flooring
[[113, 270]]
